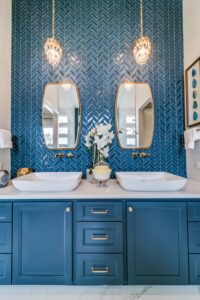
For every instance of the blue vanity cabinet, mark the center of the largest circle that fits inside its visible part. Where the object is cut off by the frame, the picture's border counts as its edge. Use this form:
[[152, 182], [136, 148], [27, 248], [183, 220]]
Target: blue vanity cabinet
[[42, 243], [5, 242], [99, 243], [157, 243], [194, 241]]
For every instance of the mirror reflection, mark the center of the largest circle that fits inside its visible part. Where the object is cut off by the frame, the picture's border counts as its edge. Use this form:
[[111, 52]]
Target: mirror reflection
[[61, 116], [134, 115]]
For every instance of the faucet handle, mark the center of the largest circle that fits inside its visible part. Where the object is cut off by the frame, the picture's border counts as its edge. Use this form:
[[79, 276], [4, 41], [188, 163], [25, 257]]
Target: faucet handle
[[70, 155]]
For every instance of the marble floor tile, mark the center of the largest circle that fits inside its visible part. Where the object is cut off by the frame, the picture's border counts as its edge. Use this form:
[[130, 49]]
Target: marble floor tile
[[99, 292]]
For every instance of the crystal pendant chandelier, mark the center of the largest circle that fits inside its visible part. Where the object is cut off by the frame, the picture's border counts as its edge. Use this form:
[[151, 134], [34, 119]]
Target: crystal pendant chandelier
[[142, 47], [52, 46]]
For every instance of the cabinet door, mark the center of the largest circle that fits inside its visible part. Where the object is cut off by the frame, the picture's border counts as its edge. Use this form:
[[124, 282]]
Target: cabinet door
[[42, 243], [157, 243]]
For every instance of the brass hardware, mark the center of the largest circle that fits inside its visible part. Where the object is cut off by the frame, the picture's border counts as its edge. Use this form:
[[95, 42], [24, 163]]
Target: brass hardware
[[140, 155], [70, 155], [100, 212], [68, 209], [24, 171], [99, 270], [59, 155], [130, 209], [62, 155], [99, 238]]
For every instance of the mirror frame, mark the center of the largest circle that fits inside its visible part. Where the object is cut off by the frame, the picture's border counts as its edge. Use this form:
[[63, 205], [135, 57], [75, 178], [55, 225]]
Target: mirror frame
[[116, 121], [80, 127]]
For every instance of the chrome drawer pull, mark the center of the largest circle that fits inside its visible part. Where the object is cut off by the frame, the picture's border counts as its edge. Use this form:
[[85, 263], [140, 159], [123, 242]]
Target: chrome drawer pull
[[99, 238], [100, 212], [99, 270]]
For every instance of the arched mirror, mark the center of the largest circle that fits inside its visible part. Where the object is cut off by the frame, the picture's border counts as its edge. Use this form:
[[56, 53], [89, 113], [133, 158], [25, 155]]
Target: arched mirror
[[134, 115], [61, 115]]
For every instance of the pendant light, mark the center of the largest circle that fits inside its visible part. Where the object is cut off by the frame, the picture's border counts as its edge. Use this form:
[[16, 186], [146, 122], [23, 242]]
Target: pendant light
[[142, 47], [52, 46]]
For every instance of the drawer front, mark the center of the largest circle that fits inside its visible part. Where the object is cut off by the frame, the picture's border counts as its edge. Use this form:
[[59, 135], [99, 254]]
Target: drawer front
[[194, 237], [99, 211], [99, 237], [6, 212], [99, 269], [5, 269], [194, 211], [195, 269], [5, 237]]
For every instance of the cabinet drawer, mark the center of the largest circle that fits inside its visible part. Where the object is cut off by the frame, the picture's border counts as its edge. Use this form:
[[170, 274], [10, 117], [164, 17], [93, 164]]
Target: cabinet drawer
[[101, 237], [5, 269], [194, 268], [194, 237], [5, 237], [99, 211], [99, 269], [194, 211], [6, 212]]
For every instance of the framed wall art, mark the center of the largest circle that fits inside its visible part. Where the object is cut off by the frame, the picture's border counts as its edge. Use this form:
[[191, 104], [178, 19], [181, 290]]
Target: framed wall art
[[192, 75]]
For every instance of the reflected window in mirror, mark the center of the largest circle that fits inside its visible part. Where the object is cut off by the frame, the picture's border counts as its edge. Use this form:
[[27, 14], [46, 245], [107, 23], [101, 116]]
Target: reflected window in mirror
[[134, 115], [61, 116]]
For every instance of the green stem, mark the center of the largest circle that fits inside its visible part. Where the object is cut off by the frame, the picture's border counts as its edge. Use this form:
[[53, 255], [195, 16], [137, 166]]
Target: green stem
[[94, 155]]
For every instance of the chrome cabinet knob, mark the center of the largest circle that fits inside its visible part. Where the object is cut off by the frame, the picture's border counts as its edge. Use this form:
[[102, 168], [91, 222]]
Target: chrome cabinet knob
[[130, 209], [68, 209]]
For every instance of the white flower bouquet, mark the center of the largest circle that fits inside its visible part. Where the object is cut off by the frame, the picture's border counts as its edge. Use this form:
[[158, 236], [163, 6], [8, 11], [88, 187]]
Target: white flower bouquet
[[100, 137]]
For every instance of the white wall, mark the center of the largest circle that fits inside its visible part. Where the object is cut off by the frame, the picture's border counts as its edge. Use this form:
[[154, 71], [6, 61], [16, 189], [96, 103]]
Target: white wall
[[5, 73], [191, 26]]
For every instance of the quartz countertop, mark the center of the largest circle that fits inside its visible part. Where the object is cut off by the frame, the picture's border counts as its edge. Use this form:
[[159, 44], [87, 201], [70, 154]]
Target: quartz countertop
[[90, 191]]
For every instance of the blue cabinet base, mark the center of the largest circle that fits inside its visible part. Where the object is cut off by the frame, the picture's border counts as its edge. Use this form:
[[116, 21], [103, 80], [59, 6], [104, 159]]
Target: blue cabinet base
[[100, 243], [5, 269]]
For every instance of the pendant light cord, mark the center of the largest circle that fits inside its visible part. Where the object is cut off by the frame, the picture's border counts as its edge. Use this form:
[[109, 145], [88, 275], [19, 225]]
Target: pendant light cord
[[53, 18], [141, 17]]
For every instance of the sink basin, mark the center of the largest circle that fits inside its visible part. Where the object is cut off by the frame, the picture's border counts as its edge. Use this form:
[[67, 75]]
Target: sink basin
[[48, 182], [150, 181]]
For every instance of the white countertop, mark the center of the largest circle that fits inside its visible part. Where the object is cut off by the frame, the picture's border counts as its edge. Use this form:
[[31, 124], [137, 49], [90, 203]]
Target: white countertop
[[87, 190]]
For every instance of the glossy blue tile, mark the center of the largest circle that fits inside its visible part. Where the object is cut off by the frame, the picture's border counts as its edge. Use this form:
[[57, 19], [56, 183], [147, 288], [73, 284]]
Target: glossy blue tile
[[100, 34]]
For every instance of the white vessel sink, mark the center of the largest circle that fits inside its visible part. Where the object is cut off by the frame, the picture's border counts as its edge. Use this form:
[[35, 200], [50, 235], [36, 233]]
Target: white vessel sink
[[150, 181], [48, 182]]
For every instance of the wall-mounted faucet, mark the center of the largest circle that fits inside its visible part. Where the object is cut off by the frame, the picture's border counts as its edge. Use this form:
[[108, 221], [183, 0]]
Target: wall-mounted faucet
[[140, 154], [62, 155]]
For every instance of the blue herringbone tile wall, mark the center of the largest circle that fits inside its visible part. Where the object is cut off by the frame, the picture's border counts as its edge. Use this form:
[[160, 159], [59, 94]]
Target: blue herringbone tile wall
[[96, 31]]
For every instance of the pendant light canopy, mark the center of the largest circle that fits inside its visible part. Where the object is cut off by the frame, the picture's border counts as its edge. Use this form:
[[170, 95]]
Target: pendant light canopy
[[52, 47], [142, 47]]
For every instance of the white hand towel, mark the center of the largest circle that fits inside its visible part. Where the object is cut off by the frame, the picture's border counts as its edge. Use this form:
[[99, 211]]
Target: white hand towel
[[5, 139], [191, 136]]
